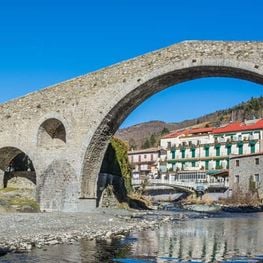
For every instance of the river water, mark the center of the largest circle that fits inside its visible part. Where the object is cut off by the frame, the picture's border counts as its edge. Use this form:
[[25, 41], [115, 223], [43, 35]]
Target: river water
[[228, 238]]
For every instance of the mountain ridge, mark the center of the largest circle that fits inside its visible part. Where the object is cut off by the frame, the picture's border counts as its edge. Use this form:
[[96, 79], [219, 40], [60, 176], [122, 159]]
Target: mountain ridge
[[148, 134]]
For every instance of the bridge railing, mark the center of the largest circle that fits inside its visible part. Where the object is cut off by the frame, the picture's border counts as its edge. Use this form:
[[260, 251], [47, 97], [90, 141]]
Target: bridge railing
[[187, 184]]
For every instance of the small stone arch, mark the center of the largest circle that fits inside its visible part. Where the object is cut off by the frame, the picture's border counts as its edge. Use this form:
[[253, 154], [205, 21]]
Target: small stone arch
[[52, 133], [14, 163]]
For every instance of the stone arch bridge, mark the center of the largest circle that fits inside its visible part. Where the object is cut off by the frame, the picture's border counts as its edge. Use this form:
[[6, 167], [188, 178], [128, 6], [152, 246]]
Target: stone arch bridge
[[65, 129]]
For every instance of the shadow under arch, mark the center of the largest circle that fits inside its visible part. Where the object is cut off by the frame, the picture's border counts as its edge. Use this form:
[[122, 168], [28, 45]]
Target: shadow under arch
[[16, 163], [122, 108], [51, 132]]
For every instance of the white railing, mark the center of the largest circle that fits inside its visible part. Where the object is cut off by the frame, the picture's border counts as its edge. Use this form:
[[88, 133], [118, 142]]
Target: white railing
[[187, 184]]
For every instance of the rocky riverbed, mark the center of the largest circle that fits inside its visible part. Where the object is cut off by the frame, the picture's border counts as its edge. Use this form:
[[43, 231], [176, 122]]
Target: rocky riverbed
[[22, 232]]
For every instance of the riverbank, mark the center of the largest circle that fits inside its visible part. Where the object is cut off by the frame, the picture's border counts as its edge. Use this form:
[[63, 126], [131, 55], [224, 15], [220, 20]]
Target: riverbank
[[22, 232]]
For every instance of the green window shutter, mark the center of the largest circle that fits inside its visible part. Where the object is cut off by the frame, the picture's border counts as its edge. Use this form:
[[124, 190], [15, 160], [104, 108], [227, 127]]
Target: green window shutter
[[240, 149], [217, 164], [206, 164], [193, 164], [183, 153], [173, 154], [218, 151], [193, 153], [207, 152], [252, 148], [228, 150]]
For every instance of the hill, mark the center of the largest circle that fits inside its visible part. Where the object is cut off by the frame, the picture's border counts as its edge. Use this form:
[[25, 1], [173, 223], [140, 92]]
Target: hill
[[148, 134]]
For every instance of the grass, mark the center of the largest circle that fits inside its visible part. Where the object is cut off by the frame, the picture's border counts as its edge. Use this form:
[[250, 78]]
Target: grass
[[198, 201], [23, 201], [18, 199], [8, 189], [242, 199]]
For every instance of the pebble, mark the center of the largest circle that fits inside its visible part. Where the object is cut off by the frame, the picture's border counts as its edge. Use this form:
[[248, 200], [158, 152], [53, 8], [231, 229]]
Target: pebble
[[23, 232]]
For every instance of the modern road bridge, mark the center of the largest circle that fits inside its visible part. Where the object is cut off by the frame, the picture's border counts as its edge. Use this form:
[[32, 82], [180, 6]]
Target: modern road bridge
[[185, 186]]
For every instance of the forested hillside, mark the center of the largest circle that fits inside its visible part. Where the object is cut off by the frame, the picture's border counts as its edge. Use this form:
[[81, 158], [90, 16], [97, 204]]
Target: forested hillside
[[148, 134]]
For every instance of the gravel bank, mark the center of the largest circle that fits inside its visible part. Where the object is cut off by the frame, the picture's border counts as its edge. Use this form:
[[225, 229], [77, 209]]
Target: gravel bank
[[22, 232]]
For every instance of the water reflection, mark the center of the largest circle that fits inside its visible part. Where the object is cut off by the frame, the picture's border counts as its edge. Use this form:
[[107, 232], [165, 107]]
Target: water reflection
[[208, 240], [236, 239], [83, 251]]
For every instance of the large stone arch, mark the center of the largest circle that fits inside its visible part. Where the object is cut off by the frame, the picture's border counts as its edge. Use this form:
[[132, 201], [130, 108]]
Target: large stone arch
[[157, 71]]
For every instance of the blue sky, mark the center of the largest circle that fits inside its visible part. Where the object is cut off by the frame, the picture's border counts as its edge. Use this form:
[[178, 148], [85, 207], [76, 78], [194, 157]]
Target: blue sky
[[45, 42]]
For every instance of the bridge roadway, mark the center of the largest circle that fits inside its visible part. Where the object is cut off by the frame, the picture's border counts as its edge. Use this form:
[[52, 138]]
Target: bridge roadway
[[187, 186]]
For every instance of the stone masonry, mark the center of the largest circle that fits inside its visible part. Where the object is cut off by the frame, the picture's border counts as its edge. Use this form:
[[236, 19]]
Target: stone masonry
[[246, 174], [65, 129]]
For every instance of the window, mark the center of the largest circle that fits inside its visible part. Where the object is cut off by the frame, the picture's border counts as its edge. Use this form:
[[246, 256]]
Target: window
[[257, 178], [252, 148], [217, 151], [207, 152], [240, 149], [145, 156], [237, 163], [229, 150], [206, 164], [168, 144], [237, 179], [257, 161], [151, 157]]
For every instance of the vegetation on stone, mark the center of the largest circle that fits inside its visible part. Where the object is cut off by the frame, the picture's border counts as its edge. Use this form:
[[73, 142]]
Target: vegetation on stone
[[121, 153], [17, 200]]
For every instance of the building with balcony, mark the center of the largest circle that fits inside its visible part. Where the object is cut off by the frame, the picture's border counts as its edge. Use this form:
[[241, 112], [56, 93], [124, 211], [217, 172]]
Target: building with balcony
[[210, 148], [147, 162], [246, 174]]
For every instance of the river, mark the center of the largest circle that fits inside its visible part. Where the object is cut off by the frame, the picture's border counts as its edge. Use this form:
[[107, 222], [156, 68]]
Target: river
[[228, 238]]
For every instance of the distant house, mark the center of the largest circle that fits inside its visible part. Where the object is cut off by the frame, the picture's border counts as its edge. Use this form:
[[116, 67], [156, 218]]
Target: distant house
[[147, 162], [246, 174]]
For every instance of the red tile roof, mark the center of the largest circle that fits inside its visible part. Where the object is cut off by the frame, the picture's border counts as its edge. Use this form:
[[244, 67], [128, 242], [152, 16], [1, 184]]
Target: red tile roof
[[230, 127], [239, 126], [186, 132]]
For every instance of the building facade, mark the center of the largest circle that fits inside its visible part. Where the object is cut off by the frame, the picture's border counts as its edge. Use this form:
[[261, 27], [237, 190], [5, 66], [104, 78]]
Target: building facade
[[147, 162], [210, 148], [246, 174]]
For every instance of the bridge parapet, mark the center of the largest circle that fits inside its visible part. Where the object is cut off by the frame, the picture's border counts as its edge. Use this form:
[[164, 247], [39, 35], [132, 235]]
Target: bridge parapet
[[194, 185]]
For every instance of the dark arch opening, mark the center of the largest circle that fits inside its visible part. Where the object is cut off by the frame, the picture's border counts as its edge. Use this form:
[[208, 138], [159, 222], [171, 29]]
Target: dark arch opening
[[52, 132], [14, 163], [107, 128]]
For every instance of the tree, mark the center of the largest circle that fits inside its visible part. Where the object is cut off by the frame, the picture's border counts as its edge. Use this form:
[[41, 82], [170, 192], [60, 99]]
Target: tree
[[132, 144], [152, 140], [164, 131], [146, 144]]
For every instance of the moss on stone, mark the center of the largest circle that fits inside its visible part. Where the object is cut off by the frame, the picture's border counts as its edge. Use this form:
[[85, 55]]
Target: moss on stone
[[23, 203], [121, 155], [7, 189]]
